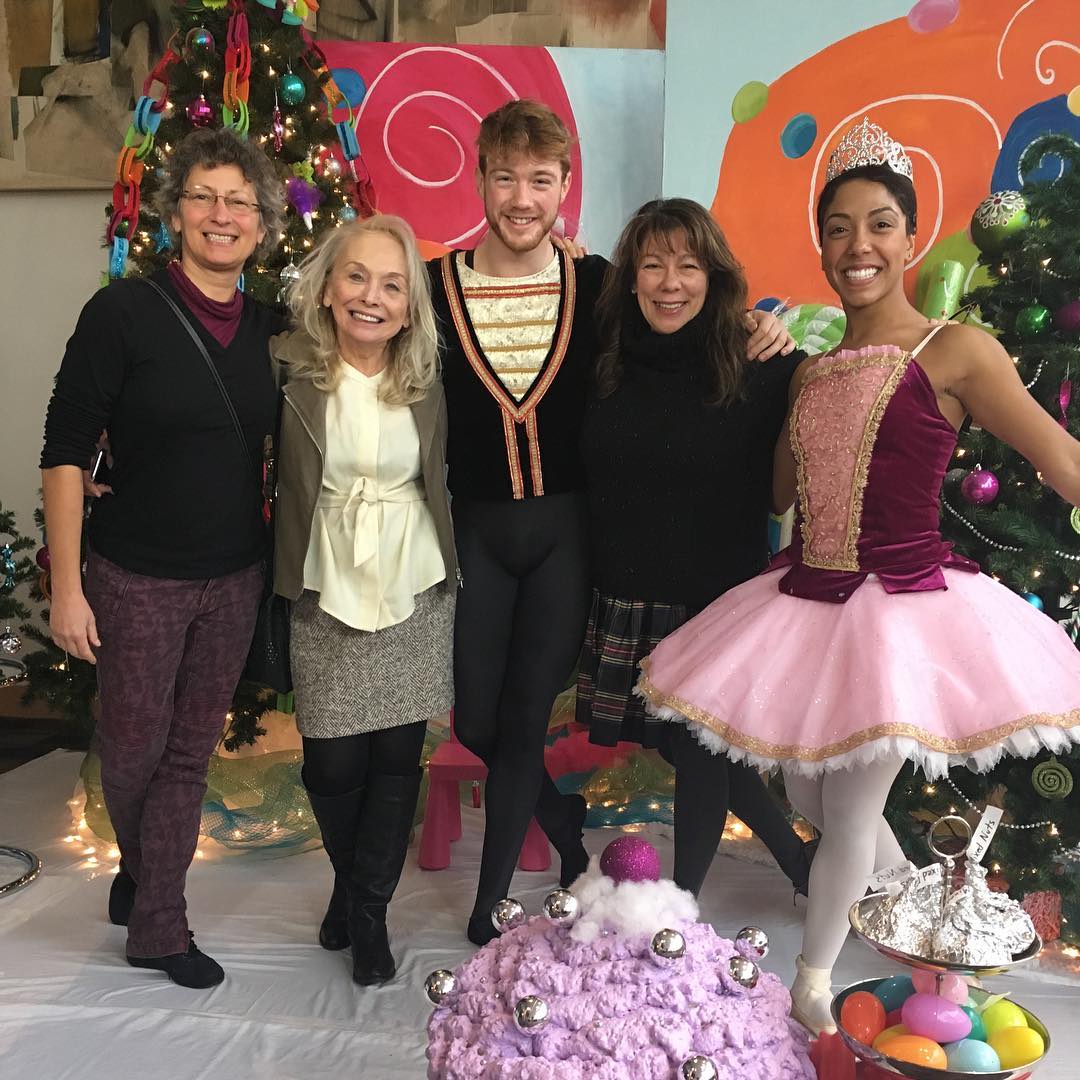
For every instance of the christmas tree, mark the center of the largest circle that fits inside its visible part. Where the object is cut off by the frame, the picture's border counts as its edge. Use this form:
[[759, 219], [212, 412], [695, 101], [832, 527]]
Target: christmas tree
[[16, 568], [997, 511], [252, 67]]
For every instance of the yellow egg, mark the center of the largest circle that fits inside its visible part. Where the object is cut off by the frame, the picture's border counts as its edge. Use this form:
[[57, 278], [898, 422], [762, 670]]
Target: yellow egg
[[1016, 1046], [915, 1050], [1001, 1015], [888, 1033]]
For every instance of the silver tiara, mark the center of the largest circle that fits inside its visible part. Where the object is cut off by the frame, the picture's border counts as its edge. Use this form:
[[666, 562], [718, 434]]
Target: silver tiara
[[867, 144]]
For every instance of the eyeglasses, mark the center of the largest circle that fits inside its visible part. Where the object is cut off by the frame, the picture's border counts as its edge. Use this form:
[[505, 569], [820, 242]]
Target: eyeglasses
[[203, 200]]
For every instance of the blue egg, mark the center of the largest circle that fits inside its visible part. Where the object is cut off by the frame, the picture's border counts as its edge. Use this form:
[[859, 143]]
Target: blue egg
[[893, 992], [351, 85], [971, 1055], [978, 1028]]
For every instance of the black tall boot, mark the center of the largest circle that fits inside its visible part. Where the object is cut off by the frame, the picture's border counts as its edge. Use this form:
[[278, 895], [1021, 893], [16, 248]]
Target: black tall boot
[[337, 816], [382, 840]]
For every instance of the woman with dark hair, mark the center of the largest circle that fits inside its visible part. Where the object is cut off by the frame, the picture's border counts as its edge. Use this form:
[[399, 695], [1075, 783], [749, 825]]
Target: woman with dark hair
[[677, 447], [176, 543], [878, 645]]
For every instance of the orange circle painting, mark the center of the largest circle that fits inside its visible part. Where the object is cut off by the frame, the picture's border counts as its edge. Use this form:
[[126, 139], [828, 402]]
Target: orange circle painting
[[965, 87]]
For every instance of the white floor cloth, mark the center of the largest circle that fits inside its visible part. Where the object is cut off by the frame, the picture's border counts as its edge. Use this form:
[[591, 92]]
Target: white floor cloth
[[72, 1009]]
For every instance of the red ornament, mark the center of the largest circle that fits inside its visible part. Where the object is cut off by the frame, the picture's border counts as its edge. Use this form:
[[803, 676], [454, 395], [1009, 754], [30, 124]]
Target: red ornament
[[1067, 317], [980, 487], [1045, 911], [199, 112], [43, 558]]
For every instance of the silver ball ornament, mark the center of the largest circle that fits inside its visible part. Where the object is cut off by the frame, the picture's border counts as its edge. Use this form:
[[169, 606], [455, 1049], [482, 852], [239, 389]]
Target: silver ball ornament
[[755, 939], [289, 274], [439, 985], [11, 643], [698, 1067], [531, 1013], [561, 908], [508, 914], [743, 971], [667, 946]]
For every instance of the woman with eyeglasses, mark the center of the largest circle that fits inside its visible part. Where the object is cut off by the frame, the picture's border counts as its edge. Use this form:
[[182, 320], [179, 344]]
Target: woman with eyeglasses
[[176, 542]]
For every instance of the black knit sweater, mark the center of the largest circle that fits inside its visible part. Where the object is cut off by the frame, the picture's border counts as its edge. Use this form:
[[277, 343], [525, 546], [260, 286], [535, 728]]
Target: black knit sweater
[[679, 491], [185, 502]]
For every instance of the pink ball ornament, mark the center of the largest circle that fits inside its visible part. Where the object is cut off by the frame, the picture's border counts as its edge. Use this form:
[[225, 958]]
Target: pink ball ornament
[[1067, 318], [199, 112], [933, 1017], [980, 487], [952, 987], [629, 858]]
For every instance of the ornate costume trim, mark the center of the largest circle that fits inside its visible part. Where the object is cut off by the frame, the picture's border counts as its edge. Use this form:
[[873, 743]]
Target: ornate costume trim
[[496, 292], [778, 753], [513, 412], [847, 558]]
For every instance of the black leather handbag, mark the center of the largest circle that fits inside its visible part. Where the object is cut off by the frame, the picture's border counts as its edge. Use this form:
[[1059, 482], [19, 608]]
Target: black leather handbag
[[268, 658]]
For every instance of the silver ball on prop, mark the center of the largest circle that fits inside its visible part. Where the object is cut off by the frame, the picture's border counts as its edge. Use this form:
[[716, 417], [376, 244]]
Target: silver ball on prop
[[743, 971], [508, 914], [667, 946], [561, 907], [439, 985], [531, 1013], [698, 1067], [755, 939]]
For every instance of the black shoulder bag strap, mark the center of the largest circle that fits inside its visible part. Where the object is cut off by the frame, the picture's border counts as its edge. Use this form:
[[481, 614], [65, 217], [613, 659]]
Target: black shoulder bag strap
[[194, 335]]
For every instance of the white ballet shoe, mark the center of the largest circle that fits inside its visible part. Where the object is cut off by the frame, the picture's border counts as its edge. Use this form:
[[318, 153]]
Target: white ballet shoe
[[811, 996]]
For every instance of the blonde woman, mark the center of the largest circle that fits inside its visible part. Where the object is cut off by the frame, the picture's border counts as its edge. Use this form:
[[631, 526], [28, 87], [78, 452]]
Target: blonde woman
[[364, 546]]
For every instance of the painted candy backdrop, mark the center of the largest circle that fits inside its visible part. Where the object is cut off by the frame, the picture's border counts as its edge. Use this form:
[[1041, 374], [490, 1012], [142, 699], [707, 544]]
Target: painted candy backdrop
[[417, 123], [965, 85]]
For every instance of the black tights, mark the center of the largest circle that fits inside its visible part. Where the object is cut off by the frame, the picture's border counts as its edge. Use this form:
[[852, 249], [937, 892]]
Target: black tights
[[706, 784], [518, 630], [335, 766]]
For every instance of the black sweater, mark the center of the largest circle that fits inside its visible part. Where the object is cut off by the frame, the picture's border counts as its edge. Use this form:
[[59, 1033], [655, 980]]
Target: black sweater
[[185, 502], [500, 449], [679, 491]]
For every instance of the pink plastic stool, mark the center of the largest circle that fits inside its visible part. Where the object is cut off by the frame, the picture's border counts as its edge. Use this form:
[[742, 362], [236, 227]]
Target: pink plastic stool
[[449, 766]]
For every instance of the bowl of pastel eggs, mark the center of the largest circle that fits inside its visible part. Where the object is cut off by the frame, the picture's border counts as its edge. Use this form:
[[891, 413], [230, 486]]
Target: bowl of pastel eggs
[[936, 1027]]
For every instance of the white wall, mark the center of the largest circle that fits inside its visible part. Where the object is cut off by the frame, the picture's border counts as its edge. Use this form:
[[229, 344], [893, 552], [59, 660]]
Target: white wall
[[50, 264]]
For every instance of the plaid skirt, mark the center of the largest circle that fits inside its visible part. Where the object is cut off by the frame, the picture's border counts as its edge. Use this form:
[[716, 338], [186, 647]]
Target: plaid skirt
[[620, 634]]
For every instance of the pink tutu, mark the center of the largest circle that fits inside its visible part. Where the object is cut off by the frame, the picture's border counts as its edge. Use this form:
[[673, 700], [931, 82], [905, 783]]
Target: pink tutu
[[959, 676]]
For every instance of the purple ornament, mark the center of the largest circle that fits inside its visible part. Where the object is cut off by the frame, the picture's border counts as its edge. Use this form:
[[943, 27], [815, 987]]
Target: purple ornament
[[1067, 318], [935, 1018], [979, 487], [629, 858], [199, 112], [43, 558]]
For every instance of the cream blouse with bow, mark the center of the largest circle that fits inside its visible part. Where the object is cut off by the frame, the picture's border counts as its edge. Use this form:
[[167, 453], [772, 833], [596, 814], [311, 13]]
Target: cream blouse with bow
[[373, 545]]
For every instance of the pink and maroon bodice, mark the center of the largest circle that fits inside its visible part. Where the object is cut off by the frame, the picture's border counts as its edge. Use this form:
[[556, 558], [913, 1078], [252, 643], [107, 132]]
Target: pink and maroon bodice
[[871, 448]]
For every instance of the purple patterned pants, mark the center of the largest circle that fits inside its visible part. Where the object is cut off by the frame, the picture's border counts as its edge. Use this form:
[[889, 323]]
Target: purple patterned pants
[[170, 658]]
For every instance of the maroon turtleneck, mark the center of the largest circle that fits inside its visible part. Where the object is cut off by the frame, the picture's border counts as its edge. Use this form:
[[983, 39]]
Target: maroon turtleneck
[[220, 317]]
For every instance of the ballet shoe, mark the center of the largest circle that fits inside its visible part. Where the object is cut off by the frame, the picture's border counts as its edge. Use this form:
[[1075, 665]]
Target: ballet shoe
[[811, 996]]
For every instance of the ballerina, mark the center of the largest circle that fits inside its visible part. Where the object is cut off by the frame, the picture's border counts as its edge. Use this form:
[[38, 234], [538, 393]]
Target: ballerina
[[870, 642]]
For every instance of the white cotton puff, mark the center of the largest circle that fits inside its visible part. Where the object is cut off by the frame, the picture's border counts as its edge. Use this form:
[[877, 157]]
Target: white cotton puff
[[630, 908]]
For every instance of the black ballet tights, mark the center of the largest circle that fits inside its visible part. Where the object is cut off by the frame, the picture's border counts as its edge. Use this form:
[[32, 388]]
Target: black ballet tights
[[706, 784], [335, 766], [519, 626]]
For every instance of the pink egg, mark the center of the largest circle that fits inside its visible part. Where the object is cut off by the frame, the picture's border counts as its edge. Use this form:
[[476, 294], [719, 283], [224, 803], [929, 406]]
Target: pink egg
[[934, 1017], [951, 988]]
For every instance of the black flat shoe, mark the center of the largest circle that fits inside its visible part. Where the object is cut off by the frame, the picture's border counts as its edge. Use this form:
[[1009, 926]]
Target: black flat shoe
[[481, 930], [193, 969], [121, 897]]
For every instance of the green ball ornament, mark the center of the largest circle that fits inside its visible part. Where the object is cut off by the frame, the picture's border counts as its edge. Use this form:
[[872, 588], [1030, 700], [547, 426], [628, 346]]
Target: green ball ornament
[[1052, 780], [1033, 321], [997, 217], [1074, 519], [291, 88]]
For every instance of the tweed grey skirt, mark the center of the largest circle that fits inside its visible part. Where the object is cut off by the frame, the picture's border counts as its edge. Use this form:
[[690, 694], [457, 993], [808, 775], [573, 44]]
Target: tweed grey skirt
[[349, 681]]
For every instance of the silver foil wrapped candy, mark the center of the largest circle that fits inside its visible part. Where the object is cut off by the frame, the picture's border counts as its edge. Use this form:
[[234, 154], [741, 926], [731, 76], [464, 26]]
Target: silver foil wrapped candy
[[907, 921]]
